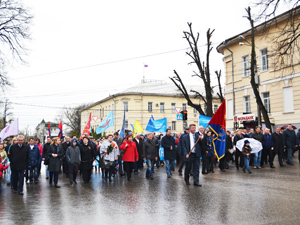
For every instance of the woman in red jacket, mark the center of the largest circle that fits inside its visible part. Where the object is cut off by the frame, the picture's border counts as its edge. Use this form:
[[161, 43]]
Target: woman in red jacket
[[130, 156]]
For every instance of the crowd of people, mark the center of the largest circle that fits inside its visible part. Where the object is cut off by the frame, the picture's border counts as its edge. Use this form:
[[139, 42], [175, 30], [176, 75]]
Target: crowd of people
[[115, 156]]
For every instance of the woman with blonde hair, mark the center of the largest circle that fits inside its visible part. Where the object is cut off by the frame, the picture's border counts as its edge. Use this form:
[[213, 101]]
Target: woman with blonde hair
[[54, 154]]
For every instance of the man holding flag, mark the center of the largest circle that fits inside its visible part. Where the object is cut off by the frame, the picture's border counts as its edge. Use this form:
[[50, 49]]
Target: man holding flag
[[191, 147]]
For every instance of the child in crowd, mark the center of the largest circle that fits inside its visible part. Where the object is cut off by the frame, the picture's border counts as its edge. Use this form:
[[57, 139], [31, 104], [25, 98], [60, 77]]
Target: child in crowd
[[1, 169], [210, 154], [246, 152]]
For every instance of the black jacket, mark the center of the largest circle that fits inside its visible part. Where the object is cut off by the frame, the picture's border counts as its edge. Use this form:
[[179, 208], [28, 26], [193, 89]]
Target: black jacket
[[166, 143], [278, 142], [186, 146], [19, 157], [150, 151], [139, 147], [236, 139], [88, 154], [289, 138], [46, 149], [259, 137], [54, 163], [228, 143], [65, 146]]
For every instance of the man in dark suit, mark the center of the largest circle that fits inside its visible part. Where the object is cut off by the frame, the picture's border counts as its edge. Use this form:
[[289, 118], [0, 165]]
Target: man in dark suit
[[19, 161], [139, 145], [278, 146], [193, 158]]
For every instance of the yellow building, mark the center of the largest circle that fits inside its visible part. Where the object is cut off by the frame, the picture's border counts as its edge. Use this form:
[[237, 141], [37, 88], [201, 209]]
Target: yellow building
[[278, 77], [151, 97]]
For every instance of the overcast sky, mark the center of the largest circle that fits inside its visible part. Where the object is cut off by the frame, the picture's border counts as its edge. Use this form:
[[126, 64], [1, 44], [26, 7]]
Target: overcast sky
[[81, 51]]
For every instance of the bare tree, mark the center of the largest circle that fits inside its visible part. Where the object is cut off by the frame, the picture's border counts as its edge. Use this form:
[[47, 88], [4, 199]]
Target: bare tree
[[286, 45], [253, 73], [14, 29], [7, 114], [203, 72], [72, 118]]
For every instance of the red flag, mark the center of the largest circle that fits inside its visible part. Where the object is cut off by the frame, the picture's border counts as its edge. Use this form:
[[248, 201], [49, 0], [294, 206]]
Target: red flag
[[49, 128], [87, 128], [217, 125], [220, 116], [60, 134]]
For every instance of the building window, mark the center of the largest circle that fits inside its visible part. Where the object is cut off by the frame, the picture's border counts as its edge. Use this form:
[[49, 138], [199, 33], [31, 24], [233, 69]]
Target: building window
[[150, 106], [247, 108], [125, 106], [205, 108], [245, 66], [126, 124], [173, 125], [215, 108], [288, 100], [183, 106], [264, 60], [109, 108], [266, 101], [173, 105], [162, 107]]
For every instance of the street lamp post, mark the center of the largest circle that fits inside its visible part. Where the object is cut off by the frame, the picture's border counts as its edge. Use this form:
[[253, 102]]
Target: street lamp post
[[232, 81]]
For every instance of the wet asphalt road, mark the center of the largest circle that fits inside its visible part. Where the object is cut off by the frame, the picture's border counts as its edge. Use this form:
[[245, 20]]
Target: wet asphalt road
[[267, 196]]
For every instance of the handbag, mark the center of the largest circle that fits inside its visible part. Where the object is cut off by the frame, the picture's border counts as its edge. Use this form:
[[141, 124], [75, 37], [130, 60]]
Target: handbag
[[46, 161], [101, 162]]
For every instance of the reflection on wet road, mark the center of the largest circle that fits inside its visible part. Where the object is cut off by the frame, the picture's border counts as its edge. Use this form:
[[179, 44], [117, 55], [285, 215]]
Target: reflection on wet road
[[268, 196]]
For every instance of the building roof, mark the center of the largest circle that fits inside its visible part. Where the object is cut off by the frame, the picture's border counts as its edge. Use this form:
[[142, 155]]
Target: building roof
[[259, 28], [156, 88], [52, 124]]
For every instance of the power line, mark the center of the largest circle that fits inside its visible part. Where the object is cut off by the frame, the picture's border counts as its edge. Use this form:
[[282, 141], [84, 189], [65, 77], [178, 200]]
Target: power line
[[106, 63]]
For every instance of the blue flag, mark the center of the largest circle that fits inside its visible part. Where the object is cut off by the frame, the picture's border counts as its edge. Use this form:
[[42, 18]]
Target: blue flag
[[108, 122], [204, 120], [218, 126], [122, 132], [157, 125]]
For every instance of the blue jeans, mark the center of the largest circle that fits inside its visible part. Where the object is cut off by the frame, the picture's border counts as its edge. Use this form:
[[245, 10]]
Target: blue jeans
[[46, 170], [257, 158], [8, 175], [169, 166], [150, 167], [33, 173], [247, 161], [290, 155]]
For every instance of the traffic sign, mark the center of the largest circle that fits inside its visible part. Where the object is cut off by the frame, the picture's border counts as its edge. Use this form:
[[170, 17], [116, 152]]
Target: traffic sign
[[178, 109], [95, 118], [179, 117]]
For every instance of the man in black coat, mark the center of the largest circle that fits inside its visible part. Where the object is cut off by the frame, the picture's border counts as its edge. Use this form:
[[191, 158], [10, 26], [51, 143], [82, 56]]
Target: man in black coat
[[65, 146], [290, 142], [192, 155], [19, 161], [139, 145], [180, 152], [119, 142], [46, 149], [278, 145], [168, 143], [257, 135], [238, 152]]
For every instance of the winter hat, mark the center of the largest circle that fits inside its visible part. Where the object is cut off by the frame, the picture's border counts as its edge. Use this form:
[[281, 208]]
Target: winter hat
[[246, 141], [74, 140]]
